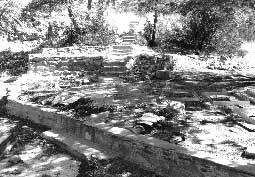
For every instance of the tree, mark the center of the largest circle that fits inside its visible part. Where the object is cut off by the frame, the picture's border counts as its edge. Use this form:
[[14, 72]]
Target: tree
[[157, 7], [214, 25], [89, 4], [9, 18]]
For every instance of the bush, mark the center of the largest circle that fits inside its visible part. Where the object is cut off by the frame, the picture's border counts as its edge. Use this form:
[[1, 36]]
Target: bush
[[210, 28], [92, 28], [14, 63]]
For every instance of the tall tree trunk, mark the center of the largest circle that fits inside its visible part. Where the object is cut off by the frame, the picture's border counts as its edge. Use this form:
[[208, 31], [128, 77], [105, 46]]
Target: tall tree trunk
[[153, 36], [89, 4], [75, 31], [70, 14], [113, 2]]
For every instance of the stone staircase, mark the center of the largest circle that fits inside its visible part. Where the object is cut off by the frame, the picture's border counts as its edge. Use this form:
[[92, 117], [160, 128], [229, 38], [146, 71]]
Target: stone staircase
[[114, 64]]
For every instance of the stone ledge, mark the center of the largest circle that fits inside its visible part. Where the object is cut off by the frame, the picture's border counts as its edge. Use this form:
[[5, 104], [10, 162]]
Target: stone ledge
[[4, 141], [77, 147], [152, 154]]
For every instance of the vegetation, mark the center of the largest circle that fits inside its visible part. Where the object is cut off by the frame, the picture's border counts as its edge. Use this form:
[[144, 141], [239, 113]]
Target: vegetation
[[203, 26], [13, 63]]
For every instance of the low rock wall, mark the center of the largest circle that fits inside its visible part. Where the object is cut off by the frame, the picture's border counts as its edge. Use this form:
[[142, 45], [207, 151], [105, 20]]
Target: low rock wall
[[75, 58], [162, 157], [39, 64]]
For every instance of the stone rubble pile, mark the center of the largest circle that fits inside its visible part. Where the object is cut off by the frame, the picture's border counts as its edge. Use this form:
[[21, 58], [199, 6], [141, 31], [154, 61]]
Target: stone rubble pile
[[151, 66]]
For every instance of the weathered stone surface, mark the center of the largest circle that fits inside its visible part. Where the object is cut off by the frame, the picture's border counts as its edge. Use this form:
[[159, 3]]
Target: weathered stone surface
[[153, 154], [150, 118]]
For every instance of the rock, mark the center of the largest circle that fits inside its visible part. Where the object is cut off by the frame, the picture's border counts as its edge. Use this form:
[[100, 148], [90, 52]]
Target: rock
[[145, 124], [150, 118], [249, 153], [178, 106], [163, 74], [58, 99], [70, 100], [138, 129], [101, 117], [15, 160]]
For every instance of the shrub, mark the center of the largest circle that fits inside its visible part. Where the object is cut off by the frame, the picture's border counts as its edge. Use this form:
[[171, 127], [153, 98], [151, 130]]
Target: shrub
[[14, 63], [210, 28], [91, 29]]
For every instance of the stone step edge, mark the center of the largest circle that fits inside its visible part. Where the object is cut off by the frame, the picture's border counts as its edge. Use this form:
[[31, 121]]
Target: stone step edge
[[150, 153], [77, 147]]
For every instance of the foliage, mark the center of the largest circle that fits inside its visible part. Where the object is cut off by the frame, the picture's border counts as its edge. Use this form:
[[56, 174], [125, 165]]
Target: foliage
[[210, 26], [84, 107], [91, 27], [14, 63], [9, 18], [143, 7]]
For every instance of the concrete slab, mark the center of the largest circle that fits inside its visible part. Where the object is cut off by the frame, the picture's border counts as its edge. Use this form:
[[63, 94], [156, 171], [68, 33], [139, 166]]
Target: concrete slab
[[164, 158], [78, 147]]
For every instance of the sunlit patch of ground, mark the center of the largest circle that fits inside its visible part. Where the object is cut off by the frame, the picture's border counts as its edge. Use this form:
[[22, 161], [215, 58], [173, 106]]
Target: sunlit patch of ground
[[221, 142]]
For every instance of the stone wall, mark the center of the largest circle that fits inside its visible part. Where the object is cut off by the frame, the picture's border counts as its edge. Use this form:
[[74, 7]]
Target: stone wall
[[40, 64], [77, 58], [153, 154]]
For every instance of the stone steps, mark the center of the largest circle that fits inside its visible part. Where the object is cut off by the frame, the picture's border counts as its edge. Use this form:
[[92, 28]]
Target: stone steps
[[128, 37], [122, 47], [121, 54], [113, 73], [121, 51], [114, 68], [128, 40], [113, 63]]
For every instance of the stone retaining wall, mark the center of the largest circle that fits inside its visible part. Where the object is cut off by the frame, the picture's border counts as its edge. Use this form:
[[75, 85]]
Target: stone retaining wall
[[75, 58], [162, 157], [39, 64]]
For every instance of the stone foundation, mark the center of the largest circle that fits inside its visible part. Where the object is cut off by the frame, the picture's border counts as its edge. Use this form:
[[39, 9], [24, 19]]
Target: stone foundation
[[164, 158], [77, 58]]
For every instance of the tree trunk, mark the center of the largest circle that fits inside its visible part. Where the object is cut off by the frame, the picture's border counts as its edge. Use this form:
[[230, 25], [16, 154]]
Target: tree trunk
[[50, 34], [153, 37], [89, 4], [70, 14]]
